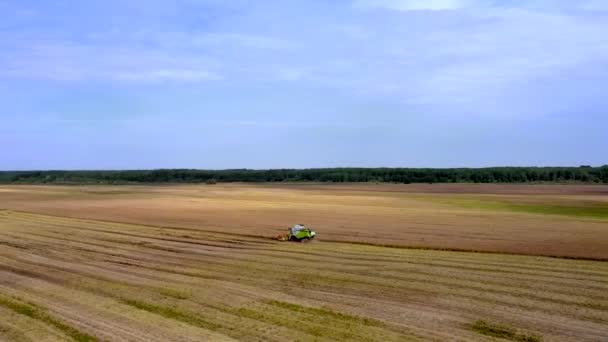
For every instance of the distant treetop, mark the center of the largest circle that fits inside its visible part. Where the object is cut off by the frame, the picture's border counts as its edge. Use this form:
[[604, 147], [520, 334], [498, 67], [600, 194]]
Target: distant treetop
[[584, 173]]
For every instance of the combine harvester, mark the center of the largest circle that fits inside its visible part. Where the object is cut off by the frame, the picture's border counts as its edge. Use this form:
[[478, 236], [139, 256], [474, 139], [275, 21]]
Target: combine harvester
[[298, 233]]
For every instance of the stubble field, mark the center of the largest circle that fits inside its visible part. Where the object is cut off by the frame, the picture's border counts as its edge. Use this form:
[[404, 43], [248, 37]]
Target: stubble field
[[191, 263]]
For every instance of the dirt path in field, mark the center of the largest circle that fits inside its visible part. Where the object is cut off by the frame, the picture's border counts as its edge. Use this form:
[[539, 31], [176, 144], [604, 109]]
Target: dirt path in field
[[400, 215]]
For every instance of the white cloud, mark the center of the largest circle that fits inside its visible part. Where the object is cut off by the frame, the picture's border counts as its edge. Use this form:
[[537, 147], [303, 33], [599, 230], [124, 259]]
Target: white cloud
[[62, 60], [442, 5], [414, 5]]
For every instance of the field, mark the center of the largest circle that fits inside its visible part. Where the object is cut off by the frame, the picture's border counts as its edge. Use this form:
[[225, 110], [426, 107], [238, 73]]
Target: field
[[553, 220], [392, 263]]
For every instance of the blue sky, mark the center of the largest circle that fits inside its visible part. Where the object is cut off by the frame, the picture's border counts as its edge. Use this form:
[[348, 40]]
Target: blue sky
[[267, 84]]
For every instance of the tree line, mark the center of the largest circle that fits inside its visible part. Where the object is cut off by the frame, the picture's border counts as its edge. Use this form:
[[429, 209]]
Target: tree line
[[584, 174]]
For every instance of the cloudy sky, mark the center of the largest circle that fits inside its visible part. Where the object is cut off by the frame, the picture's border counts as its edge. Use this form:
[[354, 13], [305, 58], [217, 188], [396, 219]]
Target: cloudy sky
[[291, 83]]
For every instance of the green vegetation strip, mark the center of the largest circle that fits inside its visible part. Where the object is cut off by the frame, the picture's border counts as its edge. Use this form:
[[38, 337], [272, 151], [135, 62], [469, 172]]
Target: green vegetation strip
[[502, 331], [307, 327], [323, 322], [172, 313], [327, 313], [40, 314], [589, 210]]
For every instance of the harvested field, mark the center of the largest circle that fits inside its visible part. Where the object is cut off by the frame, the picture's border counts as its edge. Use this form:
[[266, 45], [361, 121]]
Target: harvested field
[[196, 262], [87, 280], [555, 220]]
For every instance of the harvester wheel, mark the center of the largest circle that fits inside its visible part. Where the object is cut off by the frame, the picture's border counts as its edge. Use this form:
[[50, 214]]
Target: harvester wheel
[[305, 240]]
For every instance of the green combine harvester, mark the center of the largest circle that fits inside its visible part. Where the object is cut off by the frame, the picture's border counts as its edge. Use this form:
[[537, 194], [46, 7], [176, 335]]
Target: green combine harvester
[[298, 233]]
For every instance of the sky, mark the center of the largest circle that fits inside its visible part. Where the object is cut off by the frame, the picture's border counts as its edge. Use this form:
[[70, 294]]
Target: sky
[[217, 84]]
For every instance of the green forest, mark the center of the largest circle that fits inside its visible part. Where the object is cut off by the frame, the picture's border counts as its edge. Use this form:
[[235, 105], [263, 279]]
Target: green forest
[[582, 174]]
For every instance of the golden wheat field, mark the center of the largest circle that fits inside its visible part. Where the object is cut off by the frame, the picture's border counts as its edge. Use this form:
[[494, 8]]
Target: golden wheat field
[[391, 263]]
